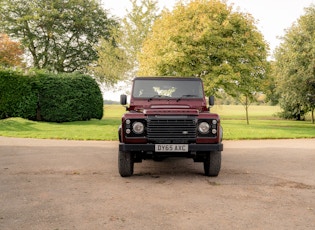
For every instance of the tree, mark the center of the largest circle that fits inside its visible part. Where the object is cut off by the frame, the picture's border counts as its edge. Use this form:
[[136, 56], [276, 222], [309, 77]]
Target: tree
[[118, 57], [136, 26], [270, 86], [10, 52], [112, 63], [58, 34], [206, 39], [295, 67]]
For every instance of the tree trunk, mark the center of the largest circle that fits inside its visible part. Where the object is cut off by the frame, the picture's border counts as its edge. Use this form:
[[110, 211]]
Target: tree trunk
[[246, 108]]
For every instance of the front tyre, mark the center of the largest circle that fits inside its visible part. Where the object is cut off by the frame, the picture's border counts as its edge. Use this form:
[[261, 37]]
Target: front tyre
[[125, 163], [212, 163]]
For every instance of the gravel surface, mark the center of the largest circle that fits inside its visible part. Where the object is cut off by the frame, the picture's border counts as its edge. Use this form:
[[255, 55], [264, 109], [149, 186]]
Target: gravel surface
[[58, 184]]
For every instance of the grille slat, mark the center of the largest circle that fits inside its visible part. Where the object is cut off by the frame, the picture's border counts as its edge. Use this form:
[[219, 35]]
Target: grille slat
[[168, 130]]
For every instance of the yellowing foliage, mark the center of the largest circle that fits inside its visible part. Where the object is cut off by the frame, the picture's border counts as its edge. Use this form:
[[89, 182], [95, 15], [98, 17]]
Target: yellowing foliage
[[206, 39]]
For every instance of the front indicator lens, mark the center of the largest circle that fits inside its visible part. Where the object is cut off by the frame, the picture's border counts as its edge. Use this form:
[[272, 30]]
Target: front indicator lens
[[138, 127], [204, 127]]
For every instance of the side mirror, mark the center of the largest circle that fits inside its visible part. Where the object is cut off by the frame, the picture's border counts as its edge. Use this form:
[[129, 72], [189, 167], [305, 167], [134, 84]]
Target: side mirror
[[211, 100], [123, 99]]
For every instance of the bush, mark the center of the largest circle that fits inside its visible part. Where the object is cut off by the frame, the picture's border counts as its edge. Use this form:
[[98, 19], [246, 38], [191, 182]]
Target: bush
[[56, 98], [69, 97], [292, 112], [18, 95]]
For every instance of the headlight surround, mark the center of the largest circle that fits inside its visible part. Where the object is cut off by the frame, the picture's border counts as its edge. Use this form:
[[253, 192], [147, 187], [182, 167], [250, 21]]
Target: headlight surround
[[204, 127], [137, 127]]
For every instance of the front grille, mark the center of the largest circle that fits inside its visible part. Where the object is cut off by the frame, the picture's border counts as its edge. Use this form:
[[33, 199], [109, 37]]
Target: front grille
[[171, 129]]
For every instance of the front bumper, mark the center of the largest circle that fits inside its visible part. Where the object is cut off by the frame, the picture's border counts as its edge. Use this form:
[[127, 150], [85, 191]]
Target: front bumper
[[151, 147]]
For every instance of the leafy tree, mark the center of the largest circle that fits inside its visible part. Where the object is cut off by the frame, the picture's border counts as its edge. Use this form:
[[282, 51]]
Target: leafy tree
[[270, 86], [10, 52], [112, 63], [207, 39], [136, 26], [295, 67], [118, 57], [58, 34]]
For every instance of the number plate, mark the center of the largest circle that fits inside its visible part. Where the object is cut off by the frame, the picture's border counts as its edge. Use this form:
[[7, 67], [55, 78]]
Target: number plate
[[171, 148]]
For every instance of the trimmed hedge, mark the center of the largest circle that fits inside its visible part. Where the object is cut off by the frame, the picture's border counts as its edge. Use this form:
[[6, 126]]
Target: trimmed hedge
[[69, 97], [18, 95], [49, 97]]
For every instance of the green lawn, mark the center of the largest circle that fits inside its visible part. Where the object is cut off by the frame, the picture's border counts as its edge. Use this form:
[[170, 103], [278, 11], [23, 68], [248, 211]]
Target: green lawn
[[263, 125], [267, 129], [105, 129], [237, 112]]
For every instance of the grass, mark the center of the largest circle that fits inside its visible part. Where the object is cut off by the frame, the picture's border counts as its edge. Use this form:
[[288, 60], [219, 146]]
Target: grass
[[263, 125], [105, 129], [267, 129], [237, 112]]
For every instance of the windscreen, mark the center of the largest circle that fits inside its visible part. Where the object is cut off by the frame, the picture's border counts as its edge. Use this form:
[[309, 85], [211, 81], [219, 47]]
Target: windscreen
[[168, 88]]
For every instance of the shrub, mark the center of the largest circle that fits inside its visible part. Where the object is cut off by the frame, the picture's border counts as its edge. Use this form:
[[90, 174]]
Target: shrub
[[18, 95], [69, 97], [48, 97]]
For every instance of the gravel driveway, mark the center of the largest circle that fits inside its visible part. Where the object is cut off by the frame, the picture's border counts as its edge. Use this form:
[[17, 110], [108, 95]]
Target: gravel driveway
[[58, 184]]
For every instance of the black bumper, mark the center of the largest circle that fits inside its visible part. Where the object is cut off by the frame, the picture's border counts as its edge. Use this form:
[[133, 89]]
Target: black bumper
[[151, 147]]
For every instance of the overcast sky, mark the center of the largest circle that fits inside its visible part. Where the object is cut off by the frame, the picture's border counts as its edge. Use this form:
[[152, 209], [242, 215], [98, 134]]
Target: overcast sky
[[273, 16]]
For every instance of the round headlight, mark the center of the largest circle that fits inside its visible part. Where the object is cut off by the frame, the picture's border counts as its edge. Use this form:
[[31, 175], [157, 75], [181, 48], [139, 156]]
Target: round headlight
[[203, 127], [138, 127], [214, 122]]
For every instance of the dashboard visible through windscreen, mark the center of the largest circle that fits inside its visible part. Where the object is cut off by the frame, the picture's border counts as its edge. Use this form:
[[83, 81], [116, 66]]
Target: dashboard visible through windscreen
[[168, 88]]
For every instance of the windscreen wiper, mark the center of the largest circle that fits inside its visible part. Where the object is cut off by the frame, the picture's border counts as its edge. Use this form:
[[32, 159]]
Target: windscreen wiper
[[186, 95], [155, 96]]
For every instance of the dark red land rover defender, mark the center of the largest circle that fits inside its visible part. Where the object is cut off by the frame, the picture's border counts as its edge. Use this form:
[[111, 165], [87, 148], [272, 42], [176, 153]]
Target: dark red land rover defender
[[169, 117]]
